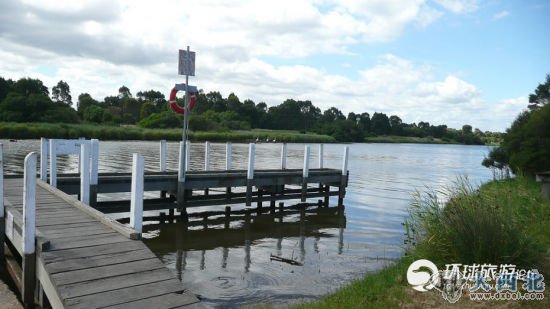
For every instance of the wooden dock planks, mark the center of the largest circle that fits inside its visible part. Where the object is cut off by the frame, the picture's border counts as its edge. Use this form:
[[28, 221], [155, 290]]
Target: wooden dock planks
[[90, 265]]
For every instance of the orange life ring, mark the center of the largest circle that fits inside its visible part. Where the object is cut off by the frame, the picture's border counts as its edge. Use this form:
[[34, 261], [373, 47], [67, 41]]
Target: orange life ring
[[174, 105]]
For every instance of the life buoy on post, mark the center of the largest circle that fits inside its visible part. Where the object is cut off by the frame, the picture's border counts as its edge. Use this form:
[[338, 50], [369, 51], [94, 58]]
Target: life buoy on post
[[174, 105]]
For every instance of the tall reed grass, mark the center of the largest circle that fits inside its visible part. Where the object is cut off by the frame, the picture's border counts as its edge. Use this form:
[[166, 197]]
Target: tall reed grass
[[504, 222], [37, 130]]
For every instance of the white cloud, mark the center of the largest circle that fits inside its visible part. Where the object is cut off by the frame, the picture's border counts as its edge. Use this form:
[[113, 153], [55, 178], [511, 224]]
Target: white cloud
[[459, 6], [501, 14], [98, 46]]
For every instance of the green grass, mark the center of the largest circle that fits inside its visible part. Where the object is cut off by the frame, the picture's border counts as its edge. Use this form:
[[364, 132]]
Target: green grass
[[10, 130], [407, 139], [505, 221]]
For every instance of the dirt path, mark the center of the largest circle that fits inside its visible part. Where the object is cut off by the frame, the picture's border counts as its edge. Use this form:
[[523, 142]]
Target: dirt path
[[8, 300]]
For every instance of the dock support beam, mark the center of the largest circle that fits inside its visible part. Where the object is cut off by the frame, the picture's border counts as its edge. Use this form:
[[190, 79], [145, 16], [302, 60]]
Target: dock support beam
[[136, 202], [28, 231], [305, 173], [250, 173]]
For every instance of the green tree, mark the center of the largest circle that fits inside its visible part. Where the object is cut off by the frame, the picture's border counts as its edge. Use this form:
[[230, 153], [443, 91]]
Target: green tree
[[467, 129], [333, 114], [85, 100], [62, 93], [147, 108], [94, 113], [6, 86], [380, 124], [526, 145], [541, 96], [28, 86], [396, 125]]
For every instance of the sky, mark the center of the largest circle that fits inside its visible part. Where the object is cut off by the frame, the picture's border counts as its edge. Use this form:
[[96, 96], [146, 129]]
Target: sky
[[450, 62]]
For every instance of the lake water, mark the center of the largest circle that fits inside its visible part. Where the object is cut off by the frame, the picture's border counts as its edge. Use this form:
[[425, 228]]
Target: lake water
[[229, 266]]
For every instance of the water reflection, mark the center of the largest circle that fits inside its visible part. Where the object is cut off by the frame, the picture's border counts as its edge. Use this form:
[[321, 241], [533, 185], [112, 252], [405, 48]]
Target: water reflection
[[216, 247]]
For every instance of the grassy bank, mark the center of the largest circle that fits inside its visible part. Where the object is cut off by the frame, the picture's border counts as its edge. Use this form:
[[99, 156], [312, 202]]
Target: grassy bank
[[503, 222], [408, 139], [10, 130]]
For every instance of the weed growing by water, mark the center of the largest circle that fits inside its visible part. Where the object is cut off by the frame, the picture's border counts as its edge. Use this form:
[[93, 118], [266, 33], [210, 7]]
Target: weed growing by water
[[499, 224]]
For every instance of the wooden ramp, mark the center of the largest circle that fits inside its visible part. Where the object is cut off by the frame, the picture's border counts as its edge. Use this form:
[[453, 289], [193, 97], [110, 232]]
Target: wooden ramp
[[86, 260]]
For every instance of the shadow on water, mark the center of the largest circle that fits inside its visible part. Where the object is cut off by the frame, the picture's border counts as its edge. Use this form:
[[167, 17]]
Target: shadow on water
[[235, 252]]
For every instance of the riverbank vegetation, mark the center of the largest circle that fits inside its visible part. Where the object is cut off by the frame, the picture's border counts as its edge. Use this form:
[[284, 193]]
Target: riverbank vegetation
[[12, 130], [28, 100], [505, 221]]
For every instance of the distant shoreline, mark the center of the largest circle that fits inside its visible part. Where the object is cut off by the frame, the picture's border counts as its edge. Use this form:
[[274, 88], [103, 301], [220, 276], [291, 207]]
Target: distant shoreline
[[15, 131]]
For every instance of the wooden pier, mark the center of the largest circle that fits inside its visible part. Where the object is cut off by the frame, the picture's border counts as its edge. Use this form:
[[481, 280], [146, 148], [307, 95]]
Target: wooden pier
[[68, 253], [76, 257]]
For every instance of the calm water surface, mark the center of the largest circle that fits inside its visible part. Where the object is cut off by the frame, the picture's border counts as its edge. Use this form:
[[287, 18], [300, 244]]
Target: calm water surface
[[230, 265]]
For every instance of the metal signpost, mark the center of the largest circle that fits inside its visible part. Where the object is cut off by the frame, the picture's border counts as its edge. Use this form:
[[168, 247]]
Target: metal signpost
[[186, 66]]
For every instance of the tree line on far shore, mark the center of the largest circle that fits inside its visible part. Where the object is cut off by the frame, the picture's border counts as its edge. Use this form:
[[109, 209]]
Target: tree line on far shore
[[28, 100]]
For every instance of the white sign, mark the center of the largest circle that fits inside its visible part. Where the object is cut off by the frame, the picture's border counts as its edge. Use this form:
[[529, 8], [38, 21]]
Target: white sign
[[186, 63], [9, 226]]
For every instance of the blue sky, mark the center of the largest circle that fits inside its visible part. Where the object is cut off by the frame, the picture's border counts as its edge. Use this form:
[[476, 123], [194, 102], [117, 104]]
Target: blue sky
[[448, 62]]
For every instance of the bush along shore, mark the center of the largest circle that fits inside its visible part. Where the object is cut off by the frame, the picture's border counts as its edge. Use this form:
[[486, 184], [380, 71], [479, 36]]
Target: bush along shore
[[10, 130], [502, 222]]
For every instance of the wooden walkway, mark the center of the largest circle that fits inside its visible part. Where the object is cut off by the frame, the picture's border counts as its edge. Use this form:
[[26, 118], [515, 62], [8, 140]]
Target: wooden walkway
[[86, 263]]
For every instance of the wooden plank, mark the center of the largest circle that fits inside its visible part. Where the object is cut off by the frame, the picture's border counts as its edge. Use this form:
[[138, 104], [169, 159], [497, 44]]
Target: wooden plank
[[124, 230], [62, 255], [114, 283], [79, 232], [47, 229], [61, 221], [71, 277], [126, 295], [47, 285], [99, 260], [86, 241], [166, 301]]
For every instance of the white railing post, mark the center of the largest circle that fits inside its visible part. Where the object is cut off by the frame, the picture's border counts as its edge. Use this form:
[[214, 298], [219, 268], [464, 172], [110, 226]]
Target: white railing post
[[94, 171], [1, 193], [283, 156], [85, 173], [28, 229], [136, 202], [345, 161], [162, 166], [53, 163], [44, 159], [206, 155], [250, 173], [228, 155], [2, 222], [305, 172], [320, 155], [188, 157], [251, 157], [344, 178], [228, 159]]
